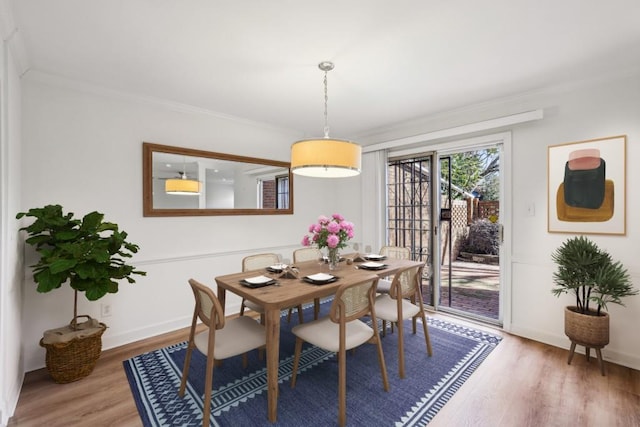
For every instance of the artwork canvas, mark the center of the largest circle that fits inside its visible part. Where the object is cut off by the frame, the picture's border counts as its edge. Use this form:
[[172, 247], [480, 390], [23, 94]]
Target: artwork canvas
[[587, 186]]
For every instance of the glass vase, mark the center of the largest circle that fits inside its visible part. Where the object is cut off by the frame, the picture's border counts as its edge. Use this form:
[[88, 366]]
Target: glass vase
[[334, 258]]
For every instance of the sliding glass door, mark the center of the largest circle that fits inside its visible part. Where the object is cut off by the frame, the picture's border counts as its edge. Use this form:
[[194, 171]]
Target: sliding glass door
[[470, 233], [452, 223]]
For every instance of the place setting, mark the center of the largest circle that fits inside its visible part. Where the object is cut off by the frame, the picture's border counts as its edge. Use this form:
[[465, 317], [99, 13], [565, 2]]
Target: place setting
[[320, 278], [258, 281], [372, 265]]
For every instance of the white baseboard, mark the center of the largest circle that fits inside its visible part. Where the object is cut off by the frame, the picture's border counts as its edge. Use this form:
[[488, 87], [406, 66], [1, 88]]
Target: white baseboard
[[133, 335]]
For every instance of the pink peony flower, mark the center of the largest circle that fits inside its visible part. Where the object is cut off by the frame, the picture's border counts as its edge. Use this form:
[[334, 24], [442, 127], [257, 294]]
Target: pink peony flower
[[333, 227], [333, 240], [306, 241]]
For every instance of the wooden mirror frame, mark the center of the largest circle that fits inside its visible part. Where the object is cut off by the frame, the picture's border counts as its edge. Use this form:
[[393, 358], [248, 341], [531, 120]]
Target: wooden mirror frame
[[149, 148]]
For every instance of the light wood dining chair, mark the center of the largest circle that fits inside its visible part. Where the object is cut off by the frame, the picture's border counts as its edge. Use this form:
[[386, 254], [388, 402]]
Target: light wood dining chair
[[342, 330], [307, 254], [395, 252], [303, 255], [260, 262], [404, 301], [222, 339]]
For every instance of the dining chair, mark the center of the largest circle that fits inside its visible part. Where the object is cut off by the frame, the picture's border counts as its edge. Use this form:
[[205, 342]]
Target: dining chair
[[396, 252], [222, 339], [404, 301], [307, 254], [260, 262], [342, 330], [302, 255]]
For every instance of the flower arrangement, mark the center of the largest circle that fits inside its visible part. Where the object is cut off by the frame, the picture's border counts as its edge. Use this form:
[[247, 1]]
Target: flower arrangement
[[329, 232]]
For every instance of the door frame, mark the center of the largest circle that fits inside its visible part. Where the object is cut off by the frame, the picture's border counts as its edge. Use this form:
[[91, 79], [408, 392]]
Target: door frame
[[504, 140]]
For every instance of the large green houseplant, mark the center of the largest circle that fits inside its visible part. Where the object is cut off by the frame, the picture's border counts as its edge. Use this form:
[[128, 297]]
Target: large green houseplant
[[89, 254], [595, 280]]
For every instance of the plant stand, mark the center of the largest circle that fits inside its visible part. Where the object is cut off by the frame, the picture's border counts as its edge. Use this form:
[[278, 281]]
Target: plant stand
[[587, 352], [590, 331]]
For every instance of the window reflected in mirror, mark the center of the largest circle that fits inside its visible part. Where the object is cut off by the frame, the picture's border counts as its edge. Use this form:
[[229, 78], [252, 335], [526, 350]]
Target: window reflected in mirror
[[180, 181]]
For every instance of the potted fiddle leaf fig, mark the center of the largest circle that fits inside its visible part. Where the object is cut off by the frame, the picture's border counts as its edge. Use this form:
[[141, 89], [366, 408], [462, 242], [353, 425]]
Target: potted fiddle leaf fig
[[90, 255], [595, 280]]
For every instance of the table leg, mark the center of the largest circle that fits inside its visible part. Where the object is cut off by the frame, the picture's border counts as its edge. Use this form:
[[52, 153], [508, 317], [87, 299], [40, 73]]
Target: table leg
[[316, 308], [222, 297], [273, 359]]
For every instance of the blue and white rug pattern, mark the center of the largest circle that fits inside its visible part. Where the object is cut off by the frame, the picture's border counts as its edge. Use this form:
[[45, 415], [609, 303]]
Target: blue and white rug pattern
[[239, 395]]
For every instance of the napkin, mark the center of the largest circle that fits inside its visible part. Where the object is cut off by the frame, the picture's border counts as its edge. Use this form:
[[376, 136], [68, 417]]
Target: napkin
[[358, 258], [289, 272]]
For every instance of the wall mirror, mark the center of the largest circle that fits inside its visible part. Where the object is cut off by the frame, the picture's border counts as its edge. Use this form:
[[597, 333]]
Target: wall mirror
[[181, 181]]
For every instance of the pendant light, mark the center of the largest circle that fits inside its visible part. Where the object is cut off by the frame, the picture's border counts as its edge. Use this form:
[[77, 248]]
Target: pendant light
[[326, 157], [182, 186]]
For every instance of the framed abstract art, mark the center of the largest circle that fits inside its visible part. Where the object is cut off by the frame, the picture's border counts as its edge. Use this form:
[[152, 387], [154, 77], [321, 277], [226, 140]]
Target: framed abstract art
[[586, 186]]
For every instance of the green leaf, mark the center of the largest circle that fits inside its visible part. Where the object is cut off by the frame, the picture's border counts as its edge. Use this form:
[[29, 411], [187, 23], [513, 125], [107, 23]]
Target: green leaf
[[61, 265]]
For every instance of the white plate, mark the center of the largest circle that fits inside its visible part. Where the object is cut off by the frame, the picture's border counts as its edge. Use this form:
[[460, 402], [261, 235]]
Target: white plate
[[320, 277], [258, 280], [374, 256], [372, 264], [279, 267]]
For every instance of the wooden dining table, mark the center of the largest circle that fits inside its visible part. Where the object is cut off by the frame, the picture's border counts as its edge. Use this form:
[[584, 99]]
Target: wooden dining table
[[291, 292]]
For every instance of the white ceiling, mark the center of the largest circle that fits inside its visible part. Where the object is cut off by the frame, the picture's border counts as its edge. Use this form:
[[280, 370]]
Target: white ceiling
[[394, 60]]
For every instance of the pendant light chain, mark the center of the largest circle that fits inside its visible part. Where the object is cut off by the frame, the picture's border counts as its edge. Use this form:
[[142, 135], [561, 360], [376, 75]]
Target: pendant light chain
[[326, 66], [326, 100]]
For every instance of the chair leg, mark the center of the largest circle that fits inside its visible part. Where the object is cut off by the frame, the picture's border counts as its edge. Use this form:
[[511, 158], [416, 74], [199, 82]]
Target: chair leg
[[296, 360], [427, 338], [208, 385], [289, 315], [400, 348], [242, 307], [381, 362], [342, 387], [384, 328], [185, 370], [300, 315]]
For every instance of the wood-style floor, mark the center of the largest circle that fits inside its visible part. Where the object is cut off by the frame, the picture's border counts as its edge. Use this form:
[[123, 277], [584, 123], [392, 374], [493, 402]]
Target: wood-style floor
[[521, 383]]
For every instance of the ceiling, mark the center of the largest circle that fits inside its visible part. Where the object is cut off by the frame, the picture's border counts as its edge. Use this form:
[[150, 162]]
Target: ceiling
[[394, 60]]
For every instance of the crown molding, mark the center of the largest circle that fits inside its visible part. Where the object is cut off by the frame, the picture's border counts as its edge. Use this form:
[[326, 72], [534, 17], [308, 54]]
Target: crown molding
[[56, 80]]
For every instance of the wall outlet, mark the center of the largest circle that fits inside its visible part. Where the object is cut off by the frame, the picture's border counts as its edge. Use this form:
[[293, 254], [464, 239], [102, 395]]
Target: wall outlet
[[105, 310]]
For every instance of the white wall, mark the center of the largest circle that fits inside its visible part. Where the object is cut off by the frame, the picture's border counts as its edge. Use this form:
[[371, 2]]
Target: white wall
[[11, 363], [82, 148], [580, 111]]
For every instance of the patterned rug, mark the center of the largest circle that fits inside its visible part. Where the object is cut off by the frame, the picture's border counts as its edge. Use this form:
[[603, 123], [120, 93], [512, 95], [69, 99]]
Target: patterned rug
[[240, 398]]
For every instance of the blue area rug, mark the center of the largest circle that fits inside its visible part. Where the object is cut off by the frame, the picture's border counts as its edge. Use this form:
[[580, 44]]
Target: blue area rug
[[240, 396]]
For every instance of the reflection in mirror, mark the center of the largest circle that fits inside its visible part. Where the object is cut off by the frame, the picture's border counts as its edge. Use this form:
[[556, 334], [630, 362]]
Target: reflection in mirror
[[180, 182]]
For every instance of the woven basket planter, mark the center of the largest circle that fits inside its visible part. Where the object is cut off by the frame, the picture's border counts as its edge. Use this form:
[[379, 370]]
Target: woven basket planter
[[589, 330], [72, 359]]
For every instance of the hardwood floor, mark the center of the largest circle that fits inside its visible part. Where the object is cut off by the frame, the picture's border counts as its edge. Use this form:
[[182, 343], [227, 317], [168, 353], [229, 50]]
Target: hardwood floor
[[521, 383]]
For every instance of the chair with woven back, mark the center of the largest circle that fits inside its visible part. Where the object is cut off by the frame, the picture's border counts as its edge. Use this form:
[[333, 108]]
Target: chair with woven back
[[260, 262], [342, 330], [307, 254], [404, 301], [395, 252], [222, 339], [303, 255]]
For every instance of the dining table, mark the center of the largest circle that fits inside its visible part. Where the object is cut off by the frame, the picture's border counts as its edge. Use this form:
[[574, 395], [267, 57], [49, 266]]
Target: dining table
[[292, 291]]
